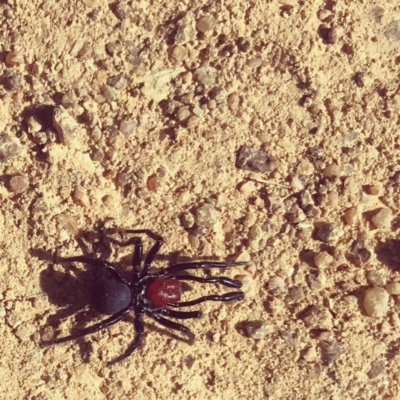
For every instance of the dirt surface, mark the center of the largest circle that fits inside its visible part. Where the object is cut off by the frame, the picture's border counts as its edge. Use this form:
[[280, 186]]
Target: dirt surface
[[259, 130]]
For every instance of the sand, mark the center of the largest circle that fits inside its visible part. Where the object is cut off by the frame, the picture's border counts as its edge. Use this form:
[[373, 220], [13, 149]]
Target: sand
[[134, 115]]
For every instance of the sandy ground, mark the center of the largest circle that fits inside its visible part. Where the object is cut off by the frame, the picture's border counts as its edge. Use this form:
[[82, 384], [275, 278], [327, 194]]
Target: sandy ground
[[262, 130]]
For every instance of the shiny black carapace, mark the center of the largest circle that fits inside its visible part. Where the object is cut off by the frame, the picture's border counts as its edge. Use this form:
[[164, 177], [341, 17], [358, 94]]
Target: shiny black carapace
[[148, 293]]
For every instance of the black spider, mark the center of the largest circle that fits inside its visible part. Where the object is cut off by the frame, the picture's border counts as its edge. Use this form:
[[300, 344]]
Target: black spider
[[148, 293]]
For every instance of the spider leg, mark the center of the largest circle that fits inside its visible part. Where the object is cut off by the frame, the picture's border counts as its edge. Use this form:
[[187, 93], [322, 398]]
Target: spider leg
[[223, 280], [199, 265], [139, 329], [95, 262], [93, 328], [224, 297], [173, 325], [137, 252], [180, 314], [154, 249]]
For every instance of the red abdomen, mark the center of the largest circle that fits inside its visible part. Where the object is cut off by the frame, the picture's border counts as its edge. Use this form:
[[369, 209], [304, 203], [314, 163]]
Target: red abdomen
[[163, 291]]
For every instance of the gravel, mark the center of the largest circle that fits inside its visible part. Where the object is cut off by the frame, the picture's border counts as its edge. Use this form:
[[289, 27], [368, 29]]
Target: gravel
[[206, 216], [255, 160], [256, 329], [9, 147], [64, 124], [330, 232], [376, 301], [382, 219]]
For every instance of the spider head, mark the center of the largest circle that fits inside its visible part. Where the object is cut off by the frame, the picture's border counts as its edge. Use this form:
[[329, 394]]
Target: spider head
[[162, 291]]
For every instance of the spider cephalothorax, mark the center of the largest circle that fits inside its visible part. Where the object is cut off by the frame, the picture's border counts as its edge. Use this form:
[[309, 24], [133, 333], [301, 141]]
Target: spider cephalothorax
[[148, 293]]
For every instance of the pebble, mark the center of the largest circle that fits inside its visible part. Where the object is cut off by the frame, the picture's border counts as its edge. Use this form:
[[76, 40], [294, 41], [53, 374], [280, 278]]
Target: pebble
[[179, 53], [318, 317], [206, 216], [243, 44], [255, 160], [185, 31], [64, 124], [19, 184], [349, 139], [117, 81], [11, 80], [377, 368], [219, 94], [122, 11], [183, 113], [382, 219], [69, 100], [247, 188], [233, 101], [295, 295], [205, 24], [128, 126], [296, 183], [392, 30], [243, 256], [109, 92], [330, 232], [155, 183], [254, 63], [323, 259], [376, 301], [256, 329], [393, 288], [330, 351], [374, 190], [114, 47], [205, 75], [277, 286], [246, 280], [316, 282], [79, 195], [9, 148], [331, 171], [187, 220], [375, 278], [192, 122], [296, 214], [351, 215], [14, 58], [48, 334]]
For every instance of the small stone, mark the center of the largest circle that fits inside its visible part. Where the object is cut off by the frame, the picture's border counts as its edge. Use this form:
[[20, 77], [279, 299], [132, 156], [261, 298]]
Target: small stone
[[192, 122], [375, 278], [349, 139], [247, 188], [246, 280], [374, 190], [244, 256], [64, 124], [117, 81], [330, 351], [331, 171], [69, 223], [316, 281], [183, 113], [295, 295], [254, 63], [382, 219], [9, 147], [128, 126], [323, 259], [205, 75], [377, 368], [185, 31], [19, 184], [296, 183], [318, 317], [76, 48], [376, 301], [276, 285], [48, 334], [14, 58], [330, 232], [256, 161], [109, 92], [155, 183], [233, 101], [114, 47], [79, 195], [334, 34], [69, 100], [243, 44], [219, 94], [206, 216], [256, 329], [11, 80], [122, 11], [179, 53], [85, 52], [393, 288], [351, 215], [296, 214], [205, 24], [133, 57], [187, 220], [25, 331], [359, 253], [310, 355], [392, 31], [306, 199]]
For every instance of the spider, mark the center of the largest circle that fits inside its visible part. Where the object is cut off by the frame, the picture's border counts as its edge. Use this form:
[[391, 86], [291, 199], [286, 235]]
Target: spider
[[153, 294]]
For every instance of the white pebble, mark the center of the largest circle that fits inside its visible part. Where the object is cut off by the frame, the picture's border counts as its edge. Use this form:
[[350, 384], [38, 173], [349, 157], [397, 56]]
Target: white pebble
[[382, 219], [376, 301]]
